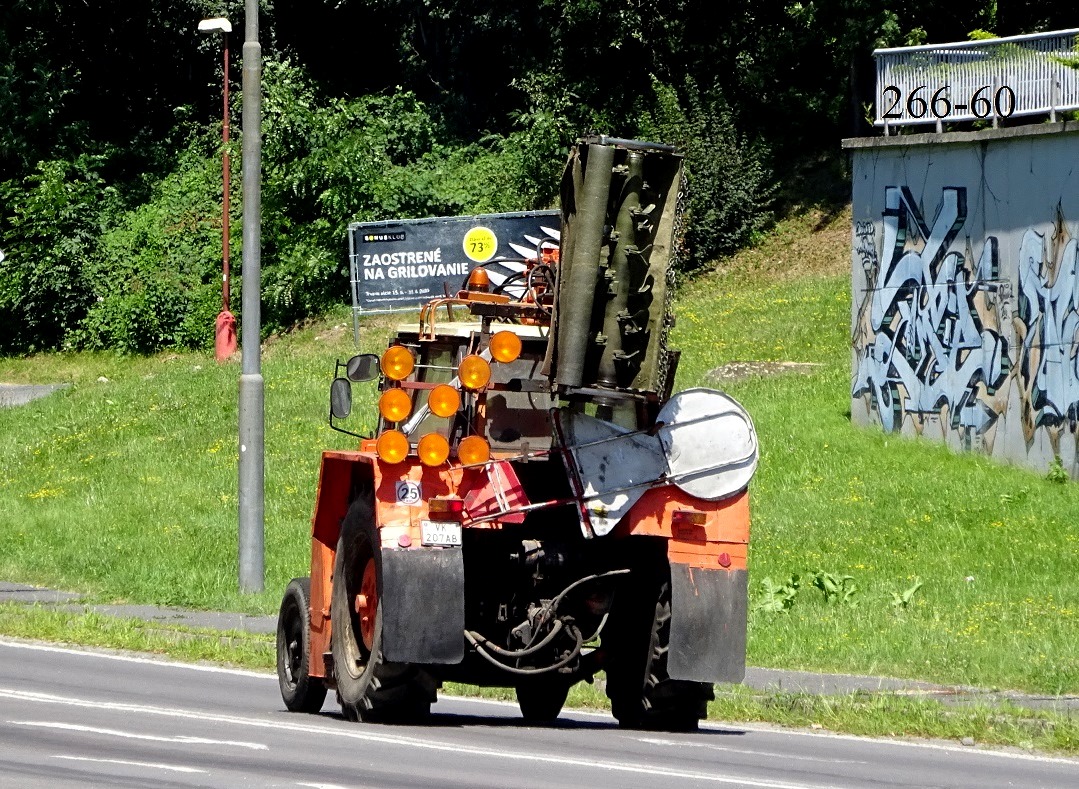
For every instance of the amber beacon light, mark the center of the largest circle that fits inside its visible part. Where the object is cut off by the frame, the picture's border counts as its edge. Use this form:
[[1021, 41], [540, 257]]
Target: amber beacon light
[[473, 450], [433, 449], [392, 446], [397, 363], [444, 400], [474, 372], [395, 405], [505, 347]]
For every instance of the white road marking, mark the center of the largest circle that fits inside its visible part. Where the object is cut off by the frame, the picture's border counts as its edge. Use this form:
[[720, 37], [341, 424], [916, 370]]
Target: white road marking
[[323, 786], [933, 746], [409, 742], [174, 767], [711, 725], [134, 659], [747, 751], [255, 746]]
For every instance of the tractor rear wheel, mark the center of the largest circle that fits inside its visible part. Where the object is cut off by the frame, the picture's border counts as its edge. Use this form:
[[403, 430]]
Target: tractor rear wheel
[[642, 694], [300, 691], [368, 687]]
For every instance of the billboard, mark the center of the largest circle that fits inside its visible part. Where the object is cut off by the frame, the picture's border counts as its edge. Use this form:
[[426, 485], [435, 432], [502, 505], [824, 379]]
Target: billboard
[[405, 263]]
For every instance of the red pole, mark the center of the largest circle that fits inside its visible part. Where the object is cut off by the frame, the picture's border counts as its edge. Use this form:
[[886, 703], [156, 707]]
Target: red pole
[[225, 179], [225, 327]]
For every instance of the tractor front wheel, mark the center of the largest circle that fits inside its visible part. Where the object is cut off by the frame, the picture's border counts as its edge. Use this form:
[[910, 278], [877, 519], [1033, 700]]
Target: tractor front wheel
[[368, 687], [300, 691]]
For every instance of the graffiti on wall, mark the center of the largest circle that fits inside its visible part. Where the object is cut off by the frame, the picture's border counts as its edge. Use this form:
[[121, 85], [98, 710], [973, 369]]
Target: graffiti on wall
[[1047, 332], [928, 338]]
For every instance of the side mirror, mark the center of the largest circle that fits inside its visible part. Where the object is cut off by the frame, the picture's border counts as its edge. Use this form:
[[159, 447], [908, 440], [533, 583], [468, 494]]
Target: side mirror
[[364, 367], [340, 398]]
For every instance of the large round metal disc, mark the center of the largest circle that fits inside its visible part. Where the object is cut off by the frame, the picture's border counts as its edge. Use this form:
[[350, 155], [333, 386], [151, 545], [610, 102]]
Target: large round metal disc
[[709, 443]]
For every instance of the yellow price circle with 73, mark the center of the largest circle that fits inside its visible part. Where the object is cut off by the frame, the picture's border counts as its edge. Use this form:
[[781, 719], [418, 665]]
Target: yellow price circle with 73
[[480, 244]]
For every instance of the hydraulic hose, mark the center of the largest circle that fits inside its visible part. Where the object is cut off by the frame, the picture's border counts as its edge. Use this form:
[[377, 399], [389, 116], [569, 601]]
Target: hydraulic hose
[[531, 671], [516, 653]]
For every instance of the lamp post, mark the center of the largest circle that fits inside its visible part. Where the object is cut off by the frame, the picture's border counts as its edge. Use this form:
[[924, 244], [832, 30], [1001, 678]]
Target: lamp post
[[252, 401], [225, 328]]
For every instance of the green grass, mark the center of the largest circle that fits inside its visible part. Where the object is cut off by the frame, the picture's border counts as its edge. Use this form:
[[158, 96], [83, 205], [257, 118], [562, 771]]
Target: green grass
[[995, 547], [126, 490], [89, 629], [891, 715]]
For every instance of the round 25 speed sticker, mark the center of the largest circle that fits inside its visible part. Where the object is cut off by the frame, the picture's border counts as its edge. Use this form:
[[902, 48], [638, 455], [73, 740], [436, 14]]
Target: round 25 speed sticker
[[408, 492]]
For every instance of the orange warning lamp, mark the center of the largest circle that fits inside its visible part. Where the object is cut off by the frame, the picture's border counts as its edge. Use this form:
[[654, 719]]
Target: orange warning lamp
[[397, 363], [474, 372], [392, 446], [444, 400], [473, 450], [505, 347], [479, 280], [395, 405], [433, 449]]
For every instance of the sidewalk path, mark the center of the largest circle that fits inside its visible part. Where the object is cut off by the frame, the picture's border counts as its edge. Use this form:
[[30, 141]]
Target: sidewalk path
[[764, 679], [164, 615], [20, 394]]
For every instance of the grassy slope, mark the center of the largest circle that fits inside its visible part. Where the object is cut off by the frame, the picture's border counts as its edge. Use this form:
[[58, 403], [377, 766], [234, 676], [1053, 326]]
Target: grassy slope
[[995, 547], [127, 488]]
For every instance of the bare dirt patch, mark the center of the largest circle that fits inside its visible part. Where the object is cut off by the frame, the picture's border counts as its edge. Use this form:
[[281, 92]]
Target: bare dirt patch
[[741, 371]]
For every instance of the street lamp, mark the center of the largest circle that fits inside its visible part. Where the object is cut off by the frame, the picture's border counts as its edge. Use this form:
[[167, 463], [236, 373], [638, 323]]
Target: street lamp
[[225, 329], [252, 478]]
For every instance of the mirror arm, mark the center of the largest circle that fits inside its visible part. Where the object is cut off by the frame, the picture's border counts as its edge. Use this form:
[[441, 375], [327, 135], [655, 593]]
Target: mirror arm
[[346, 432]]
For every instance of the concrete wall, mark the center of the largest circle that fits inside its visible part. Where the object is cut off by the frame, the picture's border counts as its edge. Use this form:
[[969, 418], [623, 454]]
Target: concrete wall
[[965, 284]]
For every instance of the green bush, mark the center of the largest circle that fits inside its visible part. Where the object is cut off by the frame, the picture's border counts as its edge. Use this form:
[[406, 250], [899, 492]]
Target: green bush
[[157, 264], [139, 318], [196, 328], [730, 185], [81, 271], [49, 228]]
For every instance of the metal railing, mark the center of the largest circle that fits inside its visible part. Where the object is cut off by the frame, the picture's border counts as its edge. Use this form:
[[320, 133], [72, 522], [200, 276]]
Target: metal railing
[[978, 80]]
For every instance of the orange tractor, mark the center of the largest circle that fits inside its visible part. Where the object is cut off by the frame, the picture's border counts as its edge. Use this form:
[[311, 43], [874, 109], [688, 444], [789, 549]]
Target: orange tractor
[[536, 507]]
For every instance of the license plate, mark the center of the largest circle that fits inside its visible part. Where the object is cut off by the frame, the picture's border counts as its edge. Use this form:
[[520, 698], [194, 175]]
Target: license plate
[[440, 533]]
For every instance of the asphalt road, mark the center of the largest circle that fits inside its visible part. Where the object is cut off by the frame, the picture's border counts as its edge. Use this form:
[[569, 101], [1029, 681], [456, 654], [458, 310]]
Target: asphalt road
[[82, 719]]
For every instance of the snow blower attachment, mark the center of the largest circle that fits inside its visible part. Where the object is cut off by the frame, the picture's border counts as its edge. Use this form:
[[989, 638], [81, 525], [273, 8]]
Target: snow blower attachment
[[536, 506]]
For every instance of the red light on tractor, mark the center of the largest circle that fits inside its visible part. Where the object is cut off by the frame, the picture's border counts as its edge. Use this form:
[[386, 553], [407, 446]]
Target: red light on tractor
[[689, 518], [450, 508], [689, 525]]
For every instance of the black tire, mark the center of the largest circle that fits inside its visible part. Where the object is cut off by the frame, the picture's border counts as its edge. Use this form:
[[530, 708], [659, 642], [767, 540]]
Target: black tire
[[642, 694], [368, 687], [541, 700], [300, 691]]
